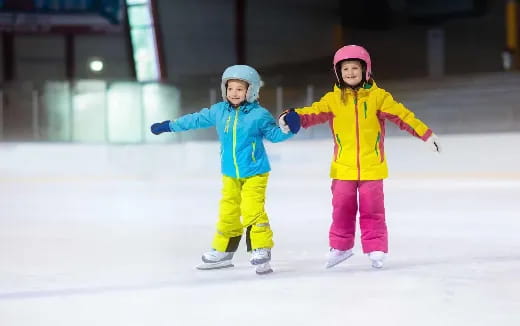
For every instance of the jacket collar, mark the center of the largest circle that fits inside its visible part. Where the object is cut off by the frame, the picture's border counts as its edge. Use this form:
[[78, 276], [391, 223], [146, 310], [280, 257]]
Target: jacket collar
[[364, 90], [244, 107]]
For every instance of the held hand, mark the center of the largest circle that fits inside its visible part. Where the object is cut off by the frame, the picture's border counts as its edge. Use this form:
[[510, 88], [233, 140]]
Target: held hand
[[289, 121], [283, 125], [160, 127], [433, 142]]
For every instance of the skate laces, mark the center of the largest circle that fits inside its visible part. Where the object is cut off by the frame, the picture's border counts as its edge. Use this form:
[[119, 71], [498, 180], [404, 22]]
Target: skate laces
[[377, 256], [215, 255], [260, 253], [338, 252]]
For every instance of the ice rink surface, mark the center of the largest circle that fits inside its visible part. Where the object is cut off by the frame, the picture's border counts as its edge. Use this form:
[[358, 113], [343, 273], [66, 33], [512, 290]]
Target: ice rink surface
[[97, 235]]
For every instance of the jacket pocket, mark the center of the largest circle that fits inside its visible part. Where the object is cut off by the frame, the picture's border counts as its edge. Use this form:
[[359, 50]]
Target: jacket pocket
[[340, 147], [226, 128], [253, 150], [377, 148]]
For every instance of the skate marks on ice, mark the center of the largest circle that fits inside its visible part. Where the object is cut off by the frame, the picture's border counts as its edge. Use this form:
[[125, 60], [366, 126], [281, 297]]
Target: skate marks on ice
[[466, 263], [239, 273], [468, 269], [187, 278]]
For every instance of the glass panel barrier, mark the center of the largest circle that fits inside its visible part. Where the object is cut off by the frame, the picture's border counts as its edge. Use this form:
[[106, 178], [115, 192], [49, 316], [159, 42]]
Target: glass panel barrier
[[161, 102], [89, 111], [57, 111], [125, 111]]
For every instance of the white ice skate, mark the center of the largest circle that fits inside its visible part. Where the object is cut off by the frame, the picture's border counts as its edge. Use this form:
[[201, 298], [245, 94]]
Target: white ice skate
[[377, 258], [260, 256], [216, 259], [337, 256], [263, 269]]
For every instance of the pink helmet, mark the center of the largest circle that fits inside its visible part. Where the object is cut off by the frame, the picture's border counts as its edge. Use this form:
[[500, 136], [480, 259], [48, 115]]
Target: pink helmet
[[353, 52]]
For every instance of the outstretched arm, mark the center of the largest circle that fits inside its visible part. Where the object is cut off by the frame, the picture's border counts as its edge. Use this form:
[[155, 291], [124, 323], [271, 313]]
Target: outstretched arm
[[406, 120], [402, 117], [205, 118], [319, 112], [271, 131]]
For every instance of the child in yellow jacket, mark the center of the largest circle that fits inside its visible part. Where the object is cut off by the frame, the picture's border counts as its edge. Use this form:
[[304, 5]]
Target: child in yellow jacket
[[356, 111]]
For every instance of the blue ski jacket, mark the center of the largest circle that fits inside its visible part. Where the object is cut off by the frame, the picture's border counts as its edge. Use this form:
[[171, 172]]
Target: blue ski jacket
[[240, 131]]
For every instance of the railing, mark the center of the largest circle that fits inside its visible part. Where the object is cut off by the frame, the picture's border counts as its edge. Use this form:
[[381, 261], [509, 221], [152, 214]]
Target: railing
[[92, 111], [85, 111], [96, 111]]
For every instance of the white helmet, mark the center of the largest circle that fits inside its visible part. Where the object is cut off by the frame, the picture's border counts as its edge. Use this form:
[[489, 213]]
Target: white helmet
[[247, 74]]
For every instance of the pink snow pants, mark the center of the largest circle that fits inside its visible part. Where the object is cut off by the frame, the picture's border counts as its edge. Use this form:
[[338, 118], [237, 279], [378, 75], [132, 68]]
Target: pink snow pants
[[374, 235]]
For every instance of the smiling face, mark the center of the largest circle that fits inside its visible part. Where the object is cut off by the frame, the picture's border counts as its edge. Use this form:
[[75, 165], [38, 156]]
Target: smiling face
[[236, 91], [352, 72]]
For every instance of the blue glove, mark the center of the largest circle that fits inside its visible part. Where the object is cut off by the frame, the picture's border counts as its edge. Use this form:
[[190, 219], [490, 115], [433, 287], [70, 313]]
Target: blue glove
[[160, 127], [290, 120]]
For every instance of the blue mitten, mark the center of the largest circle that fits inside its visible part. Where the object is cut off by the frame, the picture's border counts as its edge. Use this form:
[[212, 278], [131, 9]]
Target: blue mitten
[[292, 119], [160, 127]]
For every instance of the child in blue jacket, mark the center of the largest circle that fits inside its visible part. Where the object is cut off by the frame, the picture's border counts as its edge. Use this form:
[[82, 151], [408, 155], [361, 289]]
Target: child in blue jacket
[[241, 125]]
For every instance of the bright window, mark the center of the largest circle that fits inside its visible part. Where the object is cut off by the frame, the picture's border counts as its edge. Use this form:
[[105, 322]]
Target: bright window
[[142, 34]]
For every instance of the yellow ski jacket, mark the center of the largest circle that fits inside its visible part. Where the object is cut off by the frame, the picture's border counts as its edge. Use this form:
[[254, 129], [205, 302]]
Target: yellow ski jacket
[[357, 121]]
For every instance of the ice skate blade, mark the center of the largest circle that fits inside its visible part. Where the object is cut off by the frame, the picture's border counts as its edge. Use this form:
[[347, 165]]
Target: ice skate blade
[[269, 271], [257, 262], [217, 265], [377, 264], [331, 264], [264, 269]]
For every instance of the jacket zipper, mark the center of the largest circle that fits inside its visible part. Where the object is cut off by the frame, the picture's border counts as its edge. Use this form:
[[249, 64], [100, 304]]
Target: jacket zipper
[[357, 136], [235, 142]]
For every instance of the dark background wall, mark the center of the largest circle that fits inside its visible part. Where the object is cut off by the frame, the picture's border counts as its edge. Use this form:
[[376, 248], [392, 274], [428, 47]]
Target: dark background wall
[[288, 40], [294, 41]]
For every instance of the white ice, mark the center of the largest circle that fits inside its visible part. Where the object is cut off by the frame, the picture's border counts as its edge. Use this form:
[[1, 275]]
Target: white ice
[[111, 235]]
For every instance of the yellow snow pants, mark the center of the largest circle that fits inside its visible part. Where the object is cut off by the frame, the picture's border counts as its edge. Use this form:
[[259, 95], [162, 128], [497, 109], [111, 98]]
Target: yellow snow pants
[[243, 197]]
